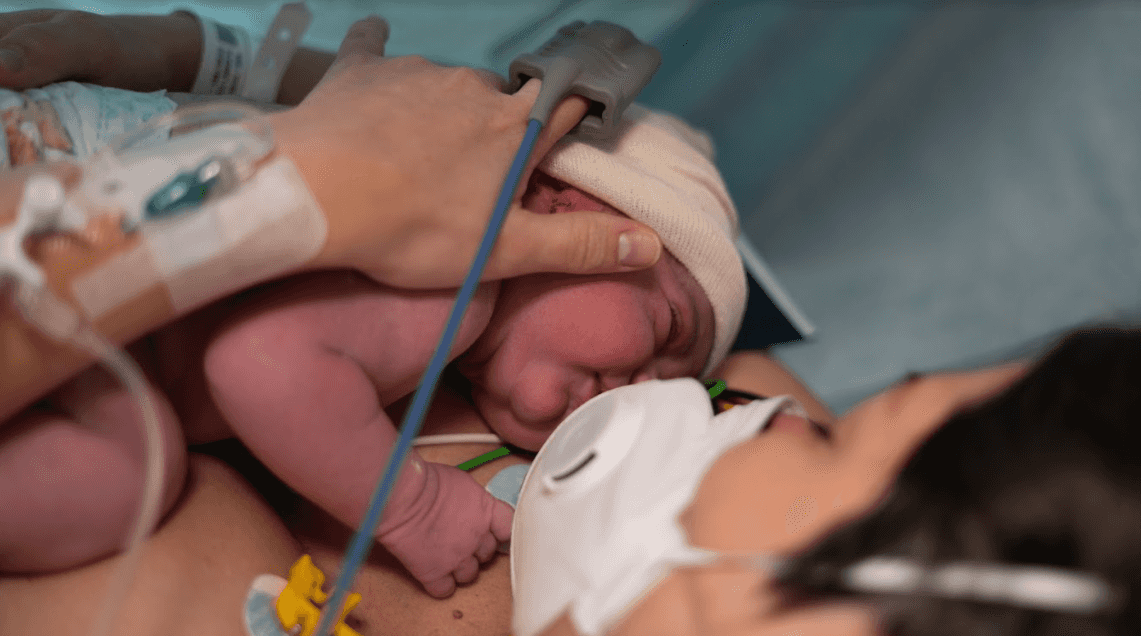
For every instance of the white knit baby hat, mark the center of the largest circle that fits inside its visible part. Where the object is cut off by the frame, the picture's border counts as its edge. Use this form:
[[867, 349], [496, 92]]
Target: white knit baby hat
[[659, 171]]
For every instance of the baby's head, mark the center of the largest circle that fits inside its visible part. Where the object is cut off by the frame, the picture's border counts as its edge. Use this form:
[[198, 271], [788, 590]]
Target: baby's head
[[555, 341]]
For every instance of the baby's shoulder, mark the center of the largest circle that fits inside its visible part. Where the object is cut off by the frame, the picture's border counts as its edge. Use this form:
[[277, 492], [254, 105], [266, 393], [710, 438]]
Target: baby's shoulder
[[390, 332]]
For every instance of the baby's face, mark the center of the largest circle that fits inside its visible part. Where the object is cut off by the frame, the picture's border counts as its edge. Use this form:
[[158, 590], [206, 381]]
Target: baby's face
[[555, 341]]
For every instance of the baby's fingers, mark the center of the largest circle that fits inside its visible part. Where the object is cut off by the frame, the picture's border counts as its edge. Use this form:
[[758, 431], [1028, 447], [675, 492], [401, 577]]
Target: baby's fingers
[[501, 519], [441, 588], [467, 571], [487, 548]]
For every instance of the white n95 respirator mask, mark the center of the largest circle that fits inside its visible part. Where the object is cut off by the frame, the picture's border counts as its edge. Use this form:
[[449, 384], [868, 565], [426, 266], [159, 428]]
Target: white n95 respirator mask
[[596, 526]]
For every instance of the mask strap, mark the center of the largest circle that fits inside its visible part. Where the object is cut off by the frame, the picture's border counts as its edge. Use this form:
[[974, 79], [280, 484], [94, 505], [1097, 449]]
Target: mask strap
[[1029, 587]]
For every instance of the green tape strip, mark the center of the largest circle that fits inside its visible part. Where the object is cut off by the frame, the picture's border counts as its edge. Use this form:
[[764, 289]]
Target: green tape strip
[[716, 389], [484, 458]]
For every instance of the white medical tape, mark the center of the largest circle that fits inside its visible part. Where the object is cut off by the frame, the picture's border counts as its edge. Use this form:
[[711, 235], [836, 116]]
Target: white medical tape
[[226, 58], [113, 283], [276, 51], [269, 227]]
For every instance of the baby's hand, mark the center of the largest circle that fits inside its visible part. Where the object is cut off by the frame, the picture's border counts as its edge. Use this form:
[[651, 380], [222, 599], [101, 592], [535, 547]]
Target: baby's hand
[[452, 527]]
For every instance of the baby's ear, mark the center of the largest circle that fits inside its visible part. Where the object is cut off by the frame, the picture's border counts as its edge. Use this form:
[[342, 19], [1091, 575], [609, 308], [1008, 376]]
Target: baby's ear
[[561, 202]]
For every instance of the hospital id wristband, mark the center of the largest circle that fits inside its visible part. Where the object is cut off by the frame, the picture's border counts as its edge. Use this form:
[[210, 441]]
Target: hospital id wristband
[[226, 58], [228, 66]]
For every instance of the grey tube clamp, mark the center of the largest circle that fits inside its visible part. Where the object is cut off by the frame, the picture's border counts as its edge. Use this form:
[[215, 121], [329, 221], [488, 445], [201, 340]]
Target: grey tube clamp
[[600, 61]]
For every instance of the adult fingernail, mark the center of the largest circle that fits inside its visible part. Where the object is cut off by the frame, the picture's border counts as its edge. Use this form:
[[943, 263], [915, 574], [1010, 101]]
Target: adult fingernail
[[638, 249], [379, 24], [11, 60]]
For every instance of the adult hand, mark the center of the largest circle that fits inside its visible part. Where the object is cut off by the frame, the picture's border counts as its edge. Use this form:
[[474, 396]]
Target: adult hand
[[407, 158], [133, 52]]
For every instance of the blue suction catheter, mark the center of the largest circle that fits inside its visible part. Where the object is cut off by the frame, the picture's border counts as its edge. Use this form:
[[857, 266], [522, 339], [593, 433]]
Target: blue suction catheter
[[600, 61]]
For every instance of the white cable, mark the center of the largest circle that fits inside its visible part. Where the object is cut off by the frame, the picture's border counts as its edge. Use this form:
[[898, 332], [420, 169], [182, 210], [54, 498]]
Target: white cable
[[458, 438], [58, 320]]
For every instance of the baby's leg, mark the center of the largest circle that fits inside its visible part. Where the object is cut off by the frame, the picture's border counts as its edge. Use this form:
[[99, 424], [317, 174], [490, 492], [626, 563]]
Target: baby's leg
[[71, 474]]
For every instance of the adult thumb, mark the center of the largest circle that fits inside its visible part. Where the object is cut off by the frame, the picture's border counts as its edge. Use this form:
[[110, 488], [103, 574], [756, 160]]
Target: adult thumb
[[572, 243]]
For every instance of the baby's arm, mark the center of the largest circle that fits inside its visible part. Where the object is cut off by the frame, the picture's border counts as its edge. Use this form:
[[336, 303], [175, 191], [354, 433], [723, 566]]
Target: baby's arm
[[312, 415]]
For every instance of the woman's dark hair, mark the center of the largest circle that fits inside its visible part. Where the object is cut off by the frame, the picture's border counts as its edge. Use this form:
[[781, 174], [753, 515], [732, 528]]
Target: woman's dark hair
[[1046, 473]]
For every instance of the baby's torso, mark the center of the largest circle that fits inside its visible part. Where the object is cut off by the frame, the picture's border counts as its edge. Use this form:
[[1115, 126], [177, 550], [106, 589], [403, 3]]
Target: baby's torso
[[391, 334]]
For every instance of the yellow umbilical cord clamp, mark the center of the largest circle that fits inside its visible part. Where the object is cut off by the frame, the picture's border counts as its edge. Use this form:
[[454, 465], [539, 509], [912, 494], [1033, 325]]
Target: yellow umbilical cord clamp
[[295, 605]]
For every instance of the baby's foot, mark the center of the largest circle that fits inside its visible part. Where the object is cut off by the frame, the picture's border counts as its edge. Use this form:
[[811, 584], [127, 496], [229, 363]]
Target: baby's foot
[[453, 526]]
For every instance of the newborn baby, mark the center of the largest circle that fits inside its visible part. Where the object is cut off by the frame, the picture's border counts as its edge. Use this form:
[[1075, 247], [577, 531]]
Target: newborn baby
[[304, 371]]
